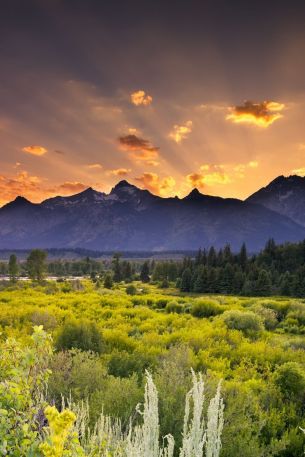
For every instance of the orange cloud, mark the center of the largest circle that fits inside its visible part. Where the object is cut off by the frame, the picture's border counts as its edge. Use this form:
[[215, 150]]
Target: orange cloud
[[35, 150], [95, 166], [119, 172], [139, 148], [299, 171], [139, 98], [155, 184], [181, 132], [219, 174], [261, 114], [202, 180], [20, 184], [72, 187]]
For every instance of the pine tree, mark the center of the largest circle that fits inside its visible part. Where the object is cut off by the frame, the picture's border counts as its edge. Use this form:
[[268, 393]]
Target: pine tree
[[227, 254], [286, 284], [200, 285], [226, 278], [108, 282], [243, 256], [198, 258], [263, 283], [116, 266], [186, 281], [144, 275], [36, 264], [13, 268], [212, 257]]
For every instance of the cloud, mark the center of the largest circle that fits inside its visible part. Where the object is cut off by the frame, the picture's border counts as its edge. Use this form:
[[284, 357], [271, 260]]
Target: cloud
[[241, 167], [155, 184], [119, 172], [72, 187], [140, 97], [94, 166], [139, 148], [299, 171], [20, 184], [35, 150], [181, 132], [59, 152], [261, 114], [202, 180], [219, 174]]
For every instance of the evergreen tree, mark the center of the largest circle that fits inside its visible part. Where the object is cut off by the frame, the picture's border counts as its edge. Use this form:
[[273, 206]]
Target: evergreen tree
[[13, 268], [212, 281], [186, 280], [227, 254], [226, 278], [198, 258], [116, 266], [108, 282], [36, 264], [243, 256], [212, 257], [200, 284], [144, 275], [263, 283], [286, 284]]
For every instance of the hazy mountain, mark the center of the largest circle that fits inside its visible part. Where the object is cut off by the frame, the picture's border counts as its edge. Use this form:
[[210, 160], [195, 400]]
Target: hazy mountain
[[129, 218], [285, 195]]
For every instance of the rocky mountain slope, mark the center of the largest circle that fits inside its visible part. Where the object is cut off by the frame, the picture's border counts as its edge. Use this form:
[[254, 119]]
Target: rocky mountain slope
[[129, 218], [285, 195]]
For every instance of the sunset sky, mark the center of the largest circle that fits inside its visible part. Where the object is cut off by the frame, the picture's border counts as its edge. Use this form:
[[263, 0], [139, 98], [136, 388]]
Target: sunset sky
[[168, 95]]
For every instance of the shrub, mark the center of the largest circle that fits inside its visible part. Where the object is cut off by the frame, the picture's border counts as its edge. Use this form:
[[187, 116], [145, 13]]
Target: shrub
[[45, 319], [131, 290], [108, 281], [83, 335], [248, 322], [174, 307], [290, 378], [161, 303], [268, 315], [206, 308]]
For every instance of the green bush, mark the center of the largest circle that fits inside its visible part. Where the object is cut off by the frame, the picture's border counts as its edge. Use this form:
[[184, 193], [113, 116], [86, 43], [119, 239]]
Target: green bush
[[131, 290], [290, 378], [83, 335], [174, 307], [248, 322], [206, 308]]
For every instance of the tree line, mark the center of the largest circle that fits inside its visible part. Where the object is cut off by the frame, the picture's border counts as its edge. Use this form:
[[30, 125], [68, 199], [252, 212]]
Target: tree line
[[276, 270]]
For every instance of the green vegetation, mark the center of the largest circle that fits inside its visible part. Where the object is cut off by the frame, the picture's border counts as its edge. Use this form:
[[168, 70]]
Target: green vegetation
[[29, 426], [13, 268], [104, 340]]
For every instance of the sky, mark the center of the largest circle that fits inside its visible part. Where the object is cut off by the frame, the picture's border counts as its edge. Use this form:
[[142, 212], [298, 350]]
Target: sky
[[169, 95]]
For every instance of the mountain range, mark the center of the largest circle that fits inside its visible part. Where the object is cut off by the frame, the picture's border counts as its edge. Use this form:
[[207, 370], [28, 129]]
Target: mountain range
[[129, 218]]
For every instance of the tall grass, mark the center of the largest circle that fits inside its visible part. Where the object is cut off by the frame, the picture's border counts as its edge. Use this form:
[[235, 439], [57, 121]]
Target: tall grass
[[201, 435]]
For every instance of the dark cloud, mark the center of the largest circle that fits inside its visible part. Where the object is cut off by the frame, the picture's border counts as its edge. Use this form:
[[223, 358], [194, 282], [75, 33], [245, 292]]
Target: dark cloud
[[139, 148], [261, 114], [135, 143]]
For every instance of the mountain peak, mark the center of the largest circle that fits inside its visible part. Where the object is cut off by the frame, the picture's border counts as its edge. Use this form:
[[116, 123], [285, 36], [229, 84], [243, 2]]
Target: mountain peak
[[195, 194], [284, 195], [122, 184], [19, 202]]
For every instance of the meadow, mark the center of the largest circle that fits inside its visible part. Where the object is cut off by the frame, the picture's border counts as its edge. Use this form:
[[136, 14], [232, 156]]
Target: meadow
[[103, 340]]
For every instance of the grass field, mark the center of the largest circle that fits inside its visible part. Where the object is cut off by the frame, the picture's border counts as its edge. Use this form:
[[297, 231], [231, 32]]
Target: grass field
[[255, 345]]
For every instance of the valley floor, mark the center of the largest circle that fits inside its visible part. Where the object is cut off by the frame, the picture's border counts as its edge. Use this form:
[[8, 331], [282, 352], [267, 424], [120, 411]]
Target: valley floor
[[105, 339]]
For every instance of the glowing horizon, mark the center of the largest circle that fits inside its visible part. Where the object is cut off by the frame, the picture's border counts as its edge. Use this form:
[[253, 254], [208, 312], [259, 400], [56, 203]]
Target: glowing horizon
[[194, 107]]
